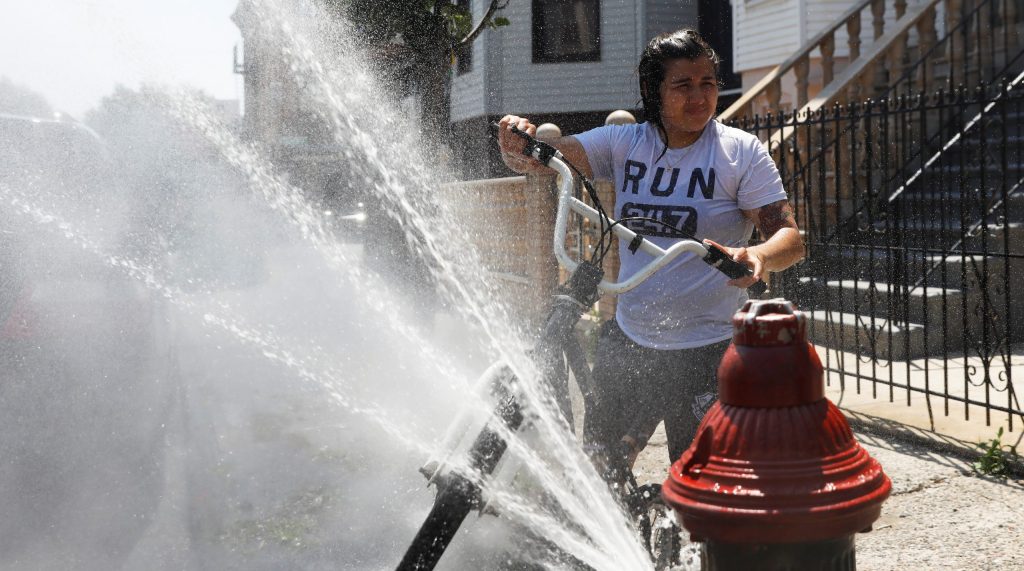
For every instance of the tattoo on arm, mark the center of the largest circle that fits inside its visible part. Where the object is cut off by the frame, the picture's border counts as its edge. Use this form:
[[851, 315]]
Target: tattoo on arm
[[773, 217]]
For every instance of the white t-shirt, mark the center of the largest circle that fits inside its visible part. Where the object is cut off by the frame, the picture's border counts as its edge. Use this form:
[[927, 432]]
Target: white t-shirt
[[700, 189]]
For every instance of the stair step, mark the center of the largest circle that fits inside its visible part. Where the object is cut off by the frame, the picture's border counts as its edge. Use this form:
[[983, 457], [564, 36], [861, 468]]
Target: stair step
[[950, 173], [865, 335], [953, 196], [929, 219], [929, 233], [958, 163], [955, 268], [932, 202], [859, 296], [994, 135], [859, 264], [973, 170], [934, 211]]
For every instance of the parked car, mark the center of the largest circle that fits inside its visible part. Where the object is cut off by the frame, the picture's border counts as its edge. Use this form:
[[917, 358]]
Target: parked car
[[344, 208]]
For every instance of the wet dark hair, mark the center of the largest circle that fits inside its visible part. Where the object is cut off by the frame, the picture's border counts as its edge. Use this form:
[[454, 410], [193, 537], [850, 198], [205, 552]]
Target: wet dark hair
[[681, 44]]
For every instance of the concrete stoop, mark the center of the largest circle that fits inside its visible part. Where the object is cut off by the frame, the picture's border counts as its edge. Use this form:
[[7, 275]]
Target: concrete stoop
[[924, 304], [891, 323], [864, 334]]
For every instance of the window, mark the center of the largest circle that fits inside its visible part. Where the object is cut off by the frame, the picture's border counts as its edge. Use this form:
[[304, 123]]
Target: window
[[464, 54], [566, 31]]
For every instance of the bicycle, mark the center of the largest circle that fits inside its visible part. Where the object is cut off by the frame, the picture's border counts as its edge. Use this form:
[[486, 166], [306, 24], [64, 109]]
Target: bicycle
[[556, 347]]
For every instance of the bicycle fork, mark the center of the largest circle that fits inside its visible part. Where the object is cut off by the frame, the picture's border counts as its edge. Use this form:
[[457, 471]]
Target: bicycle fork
[[458, 495]]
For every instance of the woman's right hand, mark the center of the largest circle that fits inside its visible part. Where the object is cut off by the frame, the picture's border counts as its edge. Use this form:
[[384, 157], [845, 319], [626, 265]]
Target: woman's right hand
[[511, 144]]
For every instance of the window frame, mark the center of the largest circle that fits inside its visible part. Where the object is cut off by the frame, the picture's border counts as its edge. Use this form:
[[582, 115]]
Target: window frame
[[542, 56], [464, 54]]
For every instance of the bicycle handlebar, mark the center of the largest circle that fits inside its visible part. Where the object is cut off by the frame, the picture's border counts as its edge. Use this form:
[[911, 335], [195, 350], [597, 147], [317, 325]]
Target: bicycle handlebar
[[706, 251]]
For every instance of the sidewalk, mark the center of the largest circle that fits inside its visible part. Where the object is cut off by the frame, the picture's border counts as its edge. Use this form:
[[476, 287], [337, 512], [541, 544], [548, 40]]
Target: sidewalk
[[940, 515], [962, 378], [868, 408]]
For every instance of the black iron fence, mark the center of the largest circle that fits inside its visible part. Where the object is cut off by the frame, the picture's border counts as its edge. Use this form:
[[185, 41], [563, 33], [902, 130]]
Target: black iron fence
[[914, 220]]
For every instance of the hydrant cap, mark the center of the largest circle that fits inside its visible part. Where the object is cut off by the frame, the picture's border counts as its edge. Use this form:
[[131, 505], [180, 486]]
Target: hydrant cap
[[769, 323], [770, 363]]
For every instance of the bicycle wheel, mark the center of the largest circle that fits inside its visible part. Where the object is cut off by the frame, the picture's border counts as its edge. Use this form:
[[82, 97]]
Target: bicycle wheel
[[657, 525]]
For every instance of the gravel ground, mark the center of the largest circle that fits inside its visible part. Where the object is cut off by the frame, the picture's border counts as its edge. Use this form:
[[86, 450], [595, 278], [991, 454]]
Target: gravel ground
[[939, 516]]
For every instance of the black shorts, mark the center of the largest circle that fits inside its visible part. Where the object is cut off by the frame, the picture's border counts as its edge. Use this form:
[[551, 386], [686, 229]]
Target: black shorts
[[637, 387]]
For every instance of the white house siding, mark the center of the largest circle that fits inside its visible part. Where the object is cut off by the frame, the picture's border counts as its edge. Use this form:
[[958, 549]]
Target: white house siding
[[765, 32], [822, 14], [664, 16], [468, 97], [504, 78], [570, 87], [468, 90]]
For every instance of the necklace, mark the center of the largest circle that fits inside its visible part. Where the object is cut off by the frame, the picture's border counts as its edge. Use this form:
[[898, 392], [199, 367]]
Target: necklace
[[682, 154], [682, 151]]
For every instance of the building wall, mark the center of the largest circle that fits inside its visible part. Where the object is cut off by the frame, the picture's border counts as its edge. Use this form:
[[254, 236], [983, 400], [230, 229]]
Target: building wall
[[822, 14], [468, 95], [575, 96], [779, 41], [668, 16], [528, 88], [511, 82], [769, 31], [765, 32]]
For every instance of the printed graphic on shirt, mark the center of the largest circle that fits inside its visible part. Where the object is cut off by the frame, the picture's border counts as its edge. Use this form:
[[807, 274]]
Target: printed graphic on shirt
[[663, 220], [702, 404], [644, 219], [700, 190], [635, 171]]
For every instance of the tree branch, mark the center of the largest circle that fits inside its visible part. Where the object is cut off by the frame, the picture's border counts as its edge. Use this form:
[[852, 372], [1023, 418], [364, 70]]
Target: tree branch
[[494, 7]]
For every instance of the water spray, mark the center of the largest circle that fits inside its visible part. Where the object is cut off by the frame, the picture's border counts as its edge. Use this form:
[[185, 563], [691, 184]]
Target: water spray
[[556, 345]]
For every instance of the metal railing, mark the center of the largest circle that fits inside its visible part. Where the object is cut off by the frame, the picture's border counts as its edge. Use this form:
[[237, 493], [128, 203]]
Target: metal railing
[[910, 47], [913, 214], [818, 52]]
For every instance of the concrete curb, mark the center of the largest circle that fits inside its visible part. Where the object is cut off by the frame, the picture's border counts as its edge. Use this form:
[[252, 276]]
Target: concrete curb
[[892, 430]]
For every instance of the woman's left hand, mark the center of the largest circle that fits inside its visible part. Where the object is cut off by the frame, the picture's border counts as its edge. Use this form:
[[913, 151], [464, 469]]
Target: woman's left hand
[[748, 257]]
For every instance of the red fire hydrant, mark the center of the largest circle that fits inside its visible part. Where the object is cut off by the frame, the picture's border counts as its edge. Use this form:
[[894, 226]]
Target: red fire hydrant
[[774, 478]]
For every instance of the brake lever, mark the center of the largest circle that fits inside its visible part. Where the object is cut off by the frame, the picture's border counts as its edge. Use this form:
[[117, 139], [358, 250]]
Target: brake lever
[[534, 147], [718, 258]]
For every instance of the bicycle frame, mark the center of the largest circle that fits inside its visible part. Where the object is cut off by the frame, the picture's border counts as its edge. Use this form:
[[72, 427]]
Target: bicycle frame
[[471, 434]]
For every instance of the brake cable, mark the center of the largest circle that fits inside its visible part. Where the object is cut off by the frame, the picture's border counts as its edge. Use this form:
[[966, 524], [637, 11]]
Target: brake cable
[[606, 223]]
